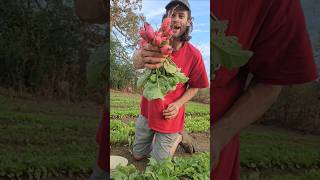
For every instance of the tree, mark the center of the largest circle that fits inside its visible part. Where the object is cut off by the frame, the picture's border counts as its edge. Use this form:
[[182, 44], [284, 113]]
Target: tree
[[125, 23], [43, 43]]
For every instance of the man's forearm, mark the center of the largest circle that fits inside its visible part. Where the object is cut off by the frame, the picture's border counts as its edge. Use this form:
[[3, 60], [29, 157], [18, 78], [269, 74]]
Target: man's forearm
[[189, 94], [246, 110]]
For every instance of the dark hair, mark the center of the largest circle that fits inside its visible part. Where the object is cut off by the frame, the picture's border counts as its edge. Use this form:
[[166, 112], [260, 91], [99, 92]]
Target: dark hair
[[186, 35]]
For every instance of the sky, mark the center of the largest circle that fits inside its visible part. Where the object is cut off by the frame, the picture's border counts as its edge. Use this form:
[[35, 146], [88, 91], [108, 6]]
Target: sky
[[200, 11]]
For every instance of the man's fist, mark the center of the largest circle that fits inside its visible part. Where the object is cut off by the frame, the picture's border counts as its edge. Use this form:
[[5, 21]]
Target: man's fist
[[151, 56]]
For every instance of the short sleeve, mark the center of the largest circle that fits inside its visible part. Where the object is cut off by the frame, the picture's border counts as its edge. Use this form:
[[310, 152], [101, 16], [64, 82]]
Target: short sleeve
[[198, 76], [282, 49]]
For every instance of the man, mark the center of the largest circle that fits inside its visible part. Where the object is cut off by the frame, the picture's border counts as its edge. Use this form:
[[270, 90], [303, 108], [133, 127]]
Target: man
[[95, 11], [159, 127], [276, 33]]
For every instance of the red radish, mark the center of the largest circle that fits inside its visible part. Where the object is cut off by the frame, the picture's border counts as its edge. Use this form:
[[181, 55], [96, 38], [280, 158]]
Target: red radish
[[168, 32], [149, 31], [160, 76], [158, 33], [142, 33], [157, 40], [166, 24], [166, 49], [164, 39]]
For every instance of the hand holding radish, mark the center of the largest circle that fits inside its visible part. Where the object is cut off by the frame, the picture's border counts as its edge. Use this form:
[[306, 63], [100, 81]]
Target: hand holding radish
[[161, 75], [152, 56]]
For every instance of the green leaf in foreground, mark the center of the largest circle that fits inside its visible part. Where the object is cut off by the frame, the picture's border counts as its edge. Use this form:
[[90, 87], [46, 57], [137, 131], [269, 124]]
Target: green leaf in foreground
[[226, 51], [194, 167]]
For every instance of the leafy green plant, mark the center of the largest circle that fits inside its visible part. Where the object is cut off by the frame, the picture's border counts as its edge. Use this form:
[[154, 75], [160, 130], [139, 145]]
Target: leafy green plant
[[158, 82], [197, 123], [195, 167], [121, 132]]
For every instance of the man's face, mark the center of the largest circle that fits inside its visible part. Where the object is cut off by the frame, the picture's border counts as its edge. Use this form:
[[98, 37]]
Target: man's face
[[179, 23]]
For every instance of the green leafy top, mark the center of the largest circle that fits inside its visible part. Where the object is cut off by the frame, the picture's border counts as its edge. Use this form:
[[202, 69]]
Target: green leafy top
[[157, 83], [226, 51]]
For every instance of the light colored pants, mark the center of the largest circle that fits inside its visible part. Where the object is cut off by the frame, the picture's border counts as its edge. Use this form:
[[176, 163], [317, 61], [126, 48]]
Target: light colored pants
[[148, 141]]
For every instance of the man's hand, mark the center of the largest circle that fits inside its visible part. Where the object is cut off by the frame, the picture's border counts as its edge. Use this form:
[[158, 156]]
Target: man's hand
[[149, 56], [172, 110]]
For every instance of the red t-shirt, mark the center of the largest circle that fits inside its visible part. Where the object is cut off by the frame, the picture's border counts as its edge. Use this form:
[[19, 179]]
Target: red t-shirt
[[102, 140], [189, 59], [275, 31]]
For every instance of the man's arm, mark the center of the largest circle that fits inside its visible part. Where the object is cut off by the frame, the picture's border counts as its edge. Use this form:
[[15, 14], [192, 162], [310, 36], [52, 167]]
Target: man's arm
[[173, 108], [247, 109]]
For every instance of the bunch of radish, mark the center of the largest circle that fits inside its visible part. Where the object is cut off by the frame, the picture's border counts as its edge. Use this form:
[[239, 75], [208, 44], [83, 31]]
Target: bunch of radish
[[156, 83]]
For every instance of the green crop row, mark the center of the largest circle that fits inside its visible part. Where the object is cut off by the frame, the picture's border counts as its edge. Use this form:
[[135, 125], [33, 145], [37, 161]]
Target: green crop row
[[271, 150], [117, 113], [197, 108], [124, 112], [39, 165], [127, 105], [41, 142], [313, 174], [121, 132], [197, 124], [196, 167]]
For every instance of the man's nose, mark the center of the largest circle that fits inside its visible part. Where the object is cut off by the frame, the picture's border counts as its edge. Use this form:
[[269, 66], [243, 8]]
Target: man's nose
[[175, 18]]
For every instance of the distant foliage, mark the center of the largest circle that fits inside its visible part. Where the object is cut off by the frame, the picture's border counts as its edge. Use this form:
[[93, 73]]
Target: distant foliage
[[44, 47]]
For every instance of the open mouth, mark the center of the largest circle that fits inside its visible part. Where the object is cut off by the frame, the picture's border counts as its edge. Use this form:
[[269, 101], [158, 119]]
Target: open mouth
[[176, 28]]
